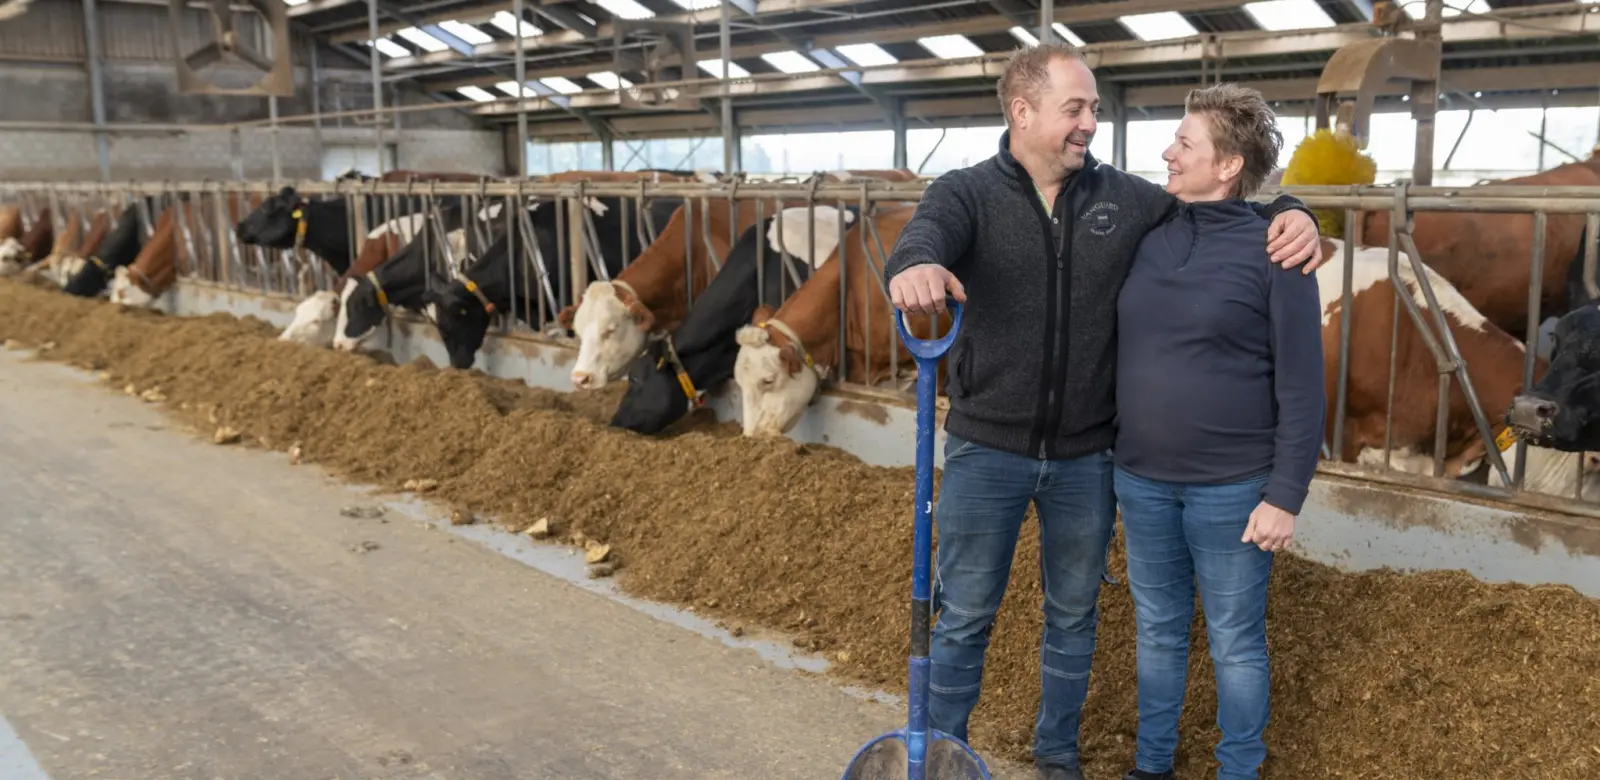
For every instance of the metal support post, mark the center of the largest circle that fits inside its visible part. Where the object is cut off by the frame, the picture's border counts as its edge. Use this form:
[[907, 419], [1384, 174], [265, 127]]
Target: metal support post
[[608, 158], [377, 81], [1047, 17], [316, 100], [97, 95], [1119, 127], [728, 139], [277, 164], [522, 82], [898, 119], [237, 152]]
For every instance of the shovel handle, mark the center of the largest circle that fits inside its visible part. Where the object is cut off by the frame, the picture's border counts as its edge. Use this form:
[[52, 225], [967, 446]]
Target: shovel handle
[[930, 350]]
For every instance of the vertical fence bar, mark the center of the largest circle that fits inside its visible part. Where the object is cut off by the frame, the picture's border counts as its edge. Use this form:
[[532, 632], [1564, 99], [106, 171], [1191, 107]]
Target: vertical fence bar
[[1535, 297], [1346, 294]]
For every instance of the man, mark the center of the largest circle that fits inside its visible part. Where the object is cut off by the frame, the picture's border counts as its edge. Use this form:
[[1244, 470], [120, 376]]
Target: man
[[1044, 236]]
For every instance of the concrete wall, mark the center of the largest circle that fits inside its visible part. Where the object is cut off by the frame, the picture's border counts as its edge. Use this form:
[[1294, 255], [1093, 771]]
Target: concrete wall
[[144, 93], [1352, 524]]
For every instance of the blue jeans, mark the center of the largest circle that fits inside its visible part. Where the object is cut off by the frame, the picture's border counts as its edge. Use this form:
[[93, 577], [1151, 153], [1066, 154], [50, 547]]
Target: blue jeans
[[1176, 535], [983, 498]]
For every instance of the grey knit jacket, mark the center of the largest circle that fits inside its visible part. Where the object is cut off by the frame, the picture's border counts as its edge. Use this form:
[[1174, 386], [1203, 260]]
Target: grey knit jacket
[[1033, 370]]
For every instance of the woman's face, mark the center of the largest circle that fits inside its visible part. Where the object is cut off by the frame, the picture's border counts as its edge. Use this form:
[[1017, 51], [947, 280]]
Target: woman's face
[[1193, 171]]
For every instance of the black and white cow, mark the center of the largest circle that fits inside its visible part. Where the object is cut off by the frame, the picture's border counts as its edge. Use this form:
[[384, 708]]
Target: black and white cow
[[403, 280], [675, 371], [119, 249], [274, 223], [463, 314]]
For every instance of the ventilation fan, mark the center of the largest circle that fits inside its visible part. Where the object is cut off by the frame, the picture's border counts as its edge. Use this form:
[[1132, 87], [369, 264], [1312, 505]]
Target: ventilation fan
[[229, 47]]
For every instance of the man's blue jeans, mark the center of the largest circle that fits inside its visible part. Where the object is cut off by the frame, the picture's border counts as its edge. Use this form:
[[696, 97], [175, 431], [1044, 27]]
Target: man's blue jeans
[[983, 498], [1177, 535]]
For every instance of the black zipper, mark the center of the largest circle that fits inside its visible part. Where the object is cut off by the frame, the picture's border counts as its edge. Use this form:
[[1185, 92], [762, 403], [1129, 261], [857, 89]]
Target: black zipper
[[1036, 439], [1053, 377]]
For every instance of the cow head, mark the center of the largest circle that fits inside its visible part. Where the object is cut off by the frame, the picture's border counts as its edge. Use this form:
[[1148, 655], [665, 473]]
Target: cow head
[[314, 320], [87, 282], [655, 398], [125, 293], [362, 314], [775, 385], [273, 223], [11, 254], [611, 325], [1562, 410], [462, 320]]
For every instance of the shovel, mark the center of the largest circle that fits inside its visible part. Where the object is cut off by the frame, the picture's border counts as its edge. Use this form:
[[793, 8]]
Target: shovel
[[917, 752]]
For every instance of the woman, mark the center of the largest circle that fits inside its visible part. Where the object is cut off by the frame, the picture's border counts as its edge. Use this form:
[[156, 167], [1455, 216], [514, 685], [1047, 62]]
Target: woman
[[1220, 407]]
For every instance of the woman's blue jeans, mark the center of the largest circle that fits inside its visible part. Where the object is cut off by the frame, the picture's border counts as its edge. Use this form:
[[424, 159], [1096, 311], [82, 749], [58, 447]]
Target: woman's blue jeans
[[1178, 535]]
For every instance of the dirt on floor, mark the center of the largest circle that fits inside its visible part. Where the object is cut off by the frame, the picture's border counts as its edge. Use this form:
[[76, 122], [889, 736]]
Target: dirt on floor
[[1375, 675]]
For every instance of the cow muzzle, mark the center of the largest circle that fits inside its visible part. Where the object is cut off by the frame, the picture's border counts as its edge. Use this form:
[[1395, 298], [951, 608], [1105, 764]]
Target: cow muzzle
[[1531, 414]]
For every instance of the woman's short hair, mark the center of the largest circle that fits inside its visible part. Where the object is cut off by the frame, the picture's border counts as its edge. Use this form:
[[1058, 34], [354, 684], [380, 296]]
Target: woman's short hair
[[1241, 123]]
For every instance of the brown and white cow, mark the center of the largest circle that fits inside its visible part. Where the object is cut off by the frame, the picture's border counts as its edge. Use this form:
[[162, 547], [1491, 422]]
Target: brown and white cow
[[784, 354], [154, 271], [1494, 360], [35, 242], [612, 320], [1487, 255]]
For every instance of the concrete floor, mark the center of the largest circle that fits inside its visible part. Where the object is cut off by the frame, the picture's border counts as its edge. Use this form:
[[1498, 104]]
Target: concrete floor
[[174, 609]]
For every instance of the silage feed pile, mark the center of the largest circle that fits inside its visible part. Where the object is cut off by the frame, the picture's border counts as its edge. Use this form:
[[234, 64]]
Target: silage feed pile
[[1375, 676]]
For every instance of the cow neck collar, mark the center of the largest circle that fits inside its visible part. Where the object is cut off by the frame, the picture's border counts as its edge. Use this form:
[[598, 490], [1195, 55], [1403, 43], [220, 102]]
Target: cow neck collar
[[799, 346], [477, 292], [383, 297], [697, 397]]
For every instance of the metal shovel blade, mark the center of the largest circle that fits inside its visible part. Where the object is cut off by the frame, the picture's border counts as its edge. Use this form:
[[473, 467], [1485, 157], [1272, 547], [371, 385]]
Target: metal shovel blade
[[887, 758]]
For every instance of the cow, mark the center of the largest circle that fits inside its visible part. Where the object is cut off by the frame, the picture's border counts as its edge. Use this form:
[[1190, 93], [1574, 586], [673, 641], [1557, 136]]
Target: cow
[[784, 354], [320, 318], [463, 312], [1562, 409], [10, 239], [1494, 360], [63, 242], [1486, 255], [322, 225], [608, 319], [675, 371], [155, 268], [35, 242], [119, 248], [400, 281], [648, 174]]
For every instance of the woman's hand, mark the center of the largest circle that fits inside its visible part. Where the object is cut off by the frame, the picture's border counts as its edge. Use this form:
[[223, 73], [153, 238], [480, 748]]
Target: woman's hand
[[1292, 239], [1270, 528]]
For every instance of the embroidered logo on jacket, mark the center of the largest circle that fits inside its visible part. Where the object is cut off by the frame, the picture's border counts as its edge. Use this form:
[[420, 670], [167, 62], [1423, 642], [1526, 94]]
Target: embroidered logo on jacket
[[1101, 218]]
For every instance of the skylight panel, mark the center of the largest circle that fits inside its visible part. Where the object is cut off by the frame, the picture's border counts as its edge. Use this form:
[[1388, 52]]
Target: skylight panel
[[505, 21], [562, 85], [626, 9], [390, 48], [790, 62], [609, 80], [951, 47], [294, 2], [478, 94], [1025, 35], [714, 67], [466, 32], [423, 40], [698, 5], [1158, 26], [1419, 10], [1067, 35], [1288, 14], [510, 88], [866, 54]]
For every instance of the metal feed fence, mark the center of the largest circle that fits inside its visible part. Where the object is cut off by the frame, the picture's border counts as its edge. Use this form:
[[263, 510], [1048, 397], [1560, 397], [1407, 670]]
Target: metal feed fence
[[547, 285]]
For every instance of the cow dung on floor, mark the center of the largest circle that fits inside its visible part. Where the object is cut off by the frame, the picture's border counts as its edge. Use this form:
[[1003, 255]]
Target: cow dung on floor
[[1377, 676]]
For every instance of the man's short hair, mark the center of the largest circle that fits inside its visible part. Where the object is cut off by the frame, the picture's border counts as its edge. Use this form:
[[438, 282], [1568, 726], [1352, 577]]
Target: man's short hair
[[1241, 123], [1027, 73]]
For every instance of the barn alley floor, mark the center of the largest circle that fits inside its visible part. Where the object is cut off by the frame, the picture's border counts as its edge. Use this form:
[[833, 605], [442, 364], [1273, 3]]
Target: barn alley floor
[[174, 609]]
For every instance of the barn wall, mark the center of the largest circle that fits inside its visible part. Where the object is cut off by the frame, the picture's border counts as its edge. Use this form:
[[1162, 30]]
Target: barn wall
[[1351, 524], [140, 93]]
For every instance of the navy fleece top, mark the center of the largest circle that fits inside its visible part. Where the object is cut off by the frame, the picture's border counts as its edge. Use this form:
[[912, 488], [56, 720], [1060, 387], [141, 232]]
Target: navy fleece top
[[1219, 358]]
